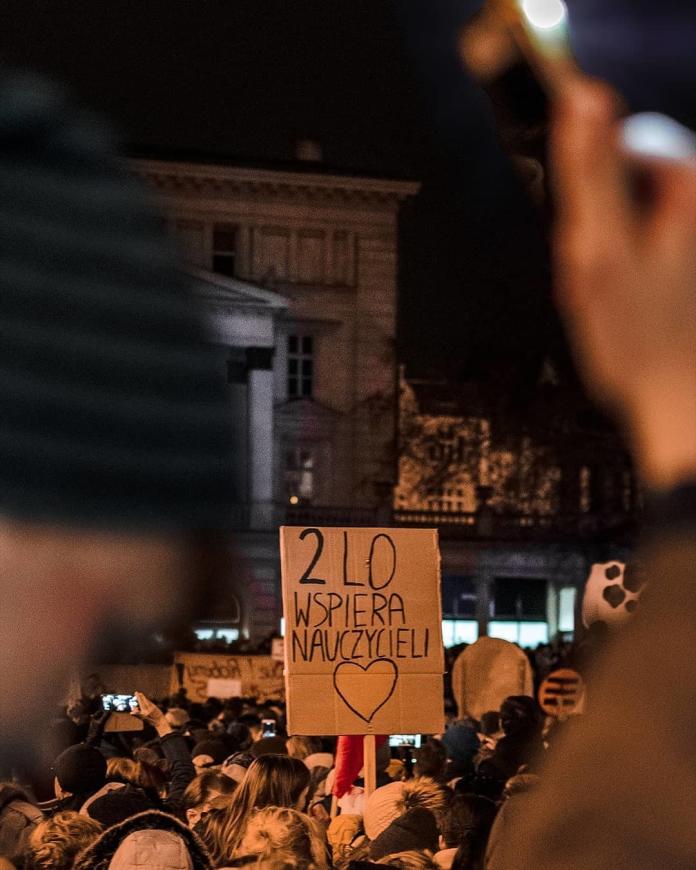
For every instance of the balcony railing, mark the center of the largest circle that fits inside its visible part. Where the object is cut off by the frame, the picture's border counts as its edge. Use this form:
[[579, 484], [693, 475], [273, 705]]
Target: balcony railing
[[483, 525]]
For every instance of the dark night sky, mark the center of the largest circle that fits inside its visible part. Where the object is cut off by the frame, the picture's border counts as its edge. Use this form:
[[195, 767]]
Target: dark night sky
[[383, 92]]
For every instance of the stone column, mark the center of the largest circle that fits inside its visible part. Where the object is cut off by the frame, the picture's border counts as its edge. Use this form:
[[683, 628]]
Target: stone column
[[260, 420], [483, 603]]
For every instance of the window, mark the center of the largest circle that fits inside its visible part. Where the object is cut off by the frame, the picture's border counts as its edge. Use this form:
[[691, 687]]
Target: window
[[300, 366], [526, 634], [299, 476], [456, 631], [566, 609], [225, 249], [518, 597], [228, 635], [458, 596]]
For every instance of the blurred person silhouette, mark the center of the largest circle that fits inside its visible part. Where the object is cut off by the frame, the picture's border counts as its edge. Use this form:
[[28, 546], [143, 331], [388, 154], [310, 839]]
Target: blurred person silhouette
[[626, 278], [115, 446]]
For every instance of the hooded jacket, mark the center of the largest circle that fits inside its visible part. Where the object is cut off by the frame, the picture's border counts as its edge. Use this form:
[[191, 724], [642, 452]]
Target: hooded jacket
[[18, 817], [98, 856]]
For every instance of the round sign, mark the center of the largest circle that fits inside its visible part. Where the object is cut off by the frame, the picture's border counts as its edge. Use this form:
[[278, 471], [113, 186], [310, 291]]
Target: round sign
[[561, 693]]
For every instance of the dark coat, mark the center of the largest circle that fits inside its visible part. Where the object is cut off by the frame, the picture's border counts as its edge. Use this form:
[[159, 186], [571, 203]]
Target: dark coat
[[18, 817], [619, 790], [98, 856]]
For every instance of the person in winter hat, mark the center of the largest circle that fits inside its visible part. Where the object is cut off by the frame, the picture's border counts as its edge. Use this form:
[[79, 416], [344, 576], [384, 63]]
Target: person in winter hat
[[118, 804], [416, 830], [388, 803], [208, 753], [152, 839], [80, 771]]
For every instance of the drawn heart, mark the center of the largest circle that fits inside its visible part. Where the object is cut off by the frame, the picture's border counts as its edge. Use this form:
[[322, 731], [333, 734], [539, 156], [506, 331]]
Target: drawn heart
[[365, 697]]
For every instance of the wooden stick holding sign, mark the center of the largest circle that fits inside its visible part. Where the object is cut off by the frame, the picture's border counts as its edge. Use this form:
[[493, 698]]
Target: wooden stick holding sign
[[369, 763], [363, 623]]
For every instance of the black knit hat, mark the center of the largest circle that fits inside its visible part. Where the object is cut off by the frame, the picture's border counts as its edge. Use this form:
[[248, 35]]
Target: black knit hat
[[113, 406], [116, 806], [415, 830], [216, 749], [80, 769]]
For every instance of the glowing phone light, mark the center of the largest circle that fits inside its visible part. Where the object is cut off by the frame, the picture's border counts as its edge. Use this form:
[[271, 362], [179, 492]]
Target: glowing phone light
[[545, 14]]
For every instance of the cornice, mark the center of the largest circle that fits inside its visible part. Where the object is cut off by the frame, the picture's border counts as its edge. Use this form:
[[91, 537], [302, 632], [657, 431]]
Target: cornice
[[186, 179]]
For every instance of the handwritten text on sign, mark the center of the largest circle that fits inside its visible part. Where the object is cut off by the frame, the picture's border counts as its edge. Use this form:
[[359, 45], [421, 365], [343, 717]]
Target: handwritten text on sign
[[362, 612]]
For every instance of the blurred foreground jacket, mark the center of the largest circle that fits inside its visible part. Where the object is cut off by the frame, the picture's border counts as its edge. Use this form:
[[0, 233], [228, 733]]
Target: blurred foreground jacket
[[622, 792], [112, 405]]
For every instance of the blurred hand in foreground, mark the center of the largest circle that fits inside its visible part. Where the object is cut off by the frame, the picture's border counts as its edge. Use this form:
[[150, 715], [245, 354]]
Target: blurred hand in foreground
[[626, 279]]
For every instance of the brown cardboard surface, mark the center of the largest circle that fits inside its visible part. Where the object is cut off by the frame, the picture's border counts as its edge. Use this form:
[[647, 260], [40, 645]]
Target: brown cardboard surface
[[363, 630], [486, 673]]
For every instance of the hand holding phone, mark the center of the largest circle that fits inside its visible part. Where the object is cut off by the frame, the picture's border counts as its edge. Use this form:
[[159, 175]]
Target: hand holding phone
[[118, 703]]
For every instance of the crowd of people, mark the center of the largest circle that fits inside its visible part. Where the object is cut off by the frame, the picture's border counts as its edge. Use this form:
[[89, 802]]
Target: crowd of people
[[115, 510], [203, 785]]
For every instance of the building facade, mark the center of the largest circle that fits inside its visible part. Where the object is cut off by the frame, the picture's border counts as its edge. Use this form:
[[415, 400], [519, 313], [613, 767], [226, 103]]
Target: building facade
[[311, 365], [522, 513]]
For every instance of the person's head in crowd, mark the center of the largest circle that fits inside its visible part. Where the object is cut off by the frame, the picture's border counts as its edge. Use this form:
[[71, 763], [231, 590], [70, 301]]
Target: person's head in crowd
[[117, 476], [149, 754], [465, 826], [317, 785], [125, 770], [202, 791], [142, 774], [520, 714], [253, 723], [302, 747], [118, 804], [272, 780], [431, 759], [208, 753], [54, 843], [286, 838], [269, 746], [490, 723], [151, 839], [415, 830], [390, 802], [235, 766], [238, 736], [461, 744], [211, 709], [80, 771], [177, 717]]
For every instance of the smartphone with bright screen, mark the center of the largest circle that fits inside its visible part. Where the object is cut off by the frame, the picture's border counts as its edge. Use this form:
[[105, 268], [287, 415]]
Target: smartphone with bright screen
[[268, 728], [412, 741], [541, 30], [114, 703]]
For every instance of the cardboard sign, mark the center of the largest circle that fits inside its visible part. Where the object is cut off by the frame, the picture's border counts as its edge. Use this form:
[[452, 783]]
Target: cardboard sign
[[259, 676], [612, 593], [561, 693], [363, 630], [488, 672], [218, 688]]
